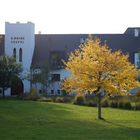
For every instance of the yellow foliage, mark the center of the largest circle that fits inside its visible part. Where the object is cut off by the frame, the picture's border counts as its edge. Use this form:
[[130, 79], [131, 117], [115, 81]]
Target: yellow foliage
[[94, 67]]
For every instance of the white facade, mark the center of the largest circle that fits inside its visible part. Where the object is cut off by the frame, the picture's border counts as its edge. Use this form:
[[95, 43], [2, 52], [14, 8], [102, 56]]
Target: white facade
[[20, 42], [56, 85]]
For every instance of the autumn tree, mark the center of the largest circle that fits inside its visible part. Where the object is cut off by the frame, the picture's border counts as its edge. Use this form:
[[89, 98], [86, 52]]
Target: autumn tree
[[96, 69]]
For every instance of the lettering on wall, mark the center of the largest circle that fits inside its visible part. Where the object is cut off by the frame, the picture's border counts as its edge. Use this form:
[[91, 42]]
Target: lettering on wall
[[17, 40]]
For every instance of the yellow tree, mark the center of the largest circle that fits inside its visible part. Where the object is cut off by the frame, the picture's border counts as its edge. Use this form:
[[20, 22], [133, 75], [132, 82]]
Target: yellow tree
[[96, 68]]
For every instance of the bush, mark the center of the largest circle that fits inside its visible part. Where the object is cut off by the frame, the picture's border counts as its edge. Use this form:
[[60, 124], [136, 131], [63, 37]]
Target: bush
[[124, 105], [67, 99], [120, 104], [79, 100], [59, 100], [33, 95], [127, 105], [44, 99], [114, 104], [91, 103], [62, 99], [137, 106], [105, 103]]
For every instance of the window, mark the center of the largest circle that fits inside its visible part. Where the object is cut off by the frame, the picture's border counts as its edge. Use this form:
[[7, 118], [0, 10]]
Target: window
[[0, 91], [137, 60], [52, 91], [14, 53], [136, 32], [55, 77], [58, 92], [56, 58], [20, 55]]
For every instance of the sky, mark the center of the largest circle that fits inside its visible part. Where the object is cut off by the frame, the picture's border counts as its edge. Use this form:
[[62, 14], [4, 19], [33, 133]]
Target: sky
[[72, 16]]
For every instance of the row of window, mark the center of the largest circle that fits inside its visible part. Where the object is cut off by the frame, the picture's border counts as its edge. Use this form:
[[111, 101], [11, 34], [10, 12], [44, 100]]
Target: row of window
[[58, 92], [20, 54]]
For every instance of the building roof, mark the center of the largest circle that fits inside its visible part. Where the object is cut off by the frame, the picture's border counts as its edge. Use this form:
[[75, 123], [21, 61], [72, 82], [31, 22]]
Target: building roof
[[46, 43], [131, 30]]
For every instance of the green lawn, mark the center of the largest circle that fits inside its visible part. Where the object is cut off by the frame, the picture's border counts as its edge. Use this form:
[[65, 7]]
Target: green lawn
[[28, 120]]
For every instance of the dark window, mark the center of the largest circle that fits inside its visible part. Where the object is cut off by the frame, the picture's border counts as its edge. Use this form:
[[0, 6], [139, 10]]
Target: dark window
[[14, 53], [56, 58], [55, 77], [0, 90], [20, 55], [58, 91], [52, 91]]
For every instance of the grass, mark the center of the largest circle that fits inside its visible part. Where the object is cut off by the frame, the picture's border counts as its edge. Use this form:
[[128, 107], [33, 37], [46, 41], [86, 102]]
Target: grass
[[28, 120]]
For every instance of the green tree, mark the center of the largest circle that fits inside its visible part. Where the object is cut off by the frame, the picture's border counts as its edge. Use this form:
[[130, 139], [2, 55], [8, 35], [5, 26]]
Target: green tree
[[97, 69], [40, 74], [9, 69]]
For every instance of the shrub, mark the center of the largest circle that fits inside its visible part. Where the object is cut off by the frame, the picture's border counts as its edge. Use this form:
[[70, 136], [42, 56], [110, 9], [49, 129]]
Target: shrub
[[44, 99], [137, 106], [127, 105], [53, 98], [91, 103], [120, 104], [67, 99], [105, 103], [33, 95], [114, 104], [124, 105], [79, 100], [59, 100]]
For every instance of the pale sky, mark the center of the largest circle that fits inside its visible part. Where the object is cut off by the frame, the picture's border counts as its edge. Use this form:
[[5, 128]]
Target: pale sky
[[72, 16]]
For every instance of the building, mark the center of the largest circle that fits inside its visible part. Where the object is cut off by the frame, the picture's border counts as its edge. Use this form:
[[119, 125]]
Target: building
[[32, 49]]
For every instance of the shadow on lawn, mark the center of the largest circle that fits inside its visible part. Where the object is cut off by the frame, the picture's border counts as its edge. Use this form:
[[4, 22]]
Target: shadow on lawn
[[115, 124]]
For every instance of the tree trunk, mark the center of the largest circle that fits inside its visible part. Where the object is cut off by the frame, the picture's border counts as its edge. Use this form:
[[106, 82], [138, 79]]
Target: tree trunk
[[3, 92], [99, 106], [31, 79]]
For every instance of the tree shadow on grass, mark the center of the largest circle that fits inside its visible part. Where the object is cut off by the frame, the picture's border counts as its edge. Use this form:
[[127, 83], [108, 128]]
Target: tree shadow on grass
[[113, 123]]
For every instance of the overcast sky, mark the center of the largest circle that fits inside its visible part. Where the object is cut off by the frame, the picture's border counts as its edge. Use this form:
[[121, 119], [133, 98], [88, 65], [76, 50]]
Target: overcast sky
[[72, 16]]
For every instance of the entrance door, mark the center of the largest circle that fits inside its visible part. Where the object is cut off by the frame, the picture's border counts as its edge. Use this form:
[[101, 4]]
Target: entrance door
[[17, 87]]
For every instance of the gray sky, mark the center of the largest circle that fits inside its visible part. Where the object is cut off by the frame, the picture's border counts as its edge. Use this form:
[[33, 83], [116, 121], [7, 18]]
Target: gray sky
[[72, 16]]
